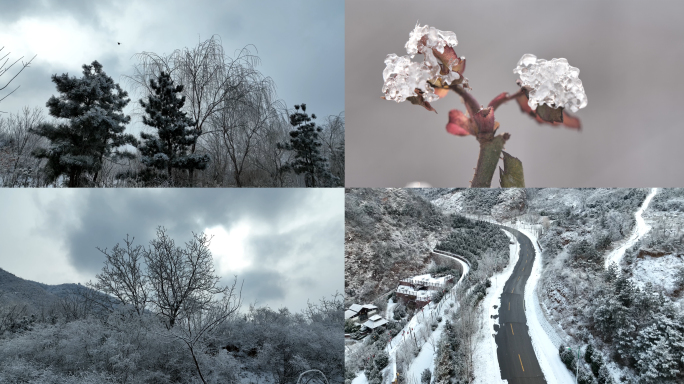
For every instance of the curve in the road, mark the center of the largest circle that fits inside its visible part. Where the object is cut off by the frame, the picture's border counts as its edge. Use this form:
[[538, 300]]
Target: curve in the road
[[517, 360]]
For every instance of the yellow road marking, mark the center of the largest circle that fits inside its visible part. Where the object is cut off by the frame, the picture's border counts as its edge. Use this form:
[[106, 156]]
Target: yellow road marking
[[509, 305], [521, 366], [512, 289], [523, 269], [512, 329], [518, 278]]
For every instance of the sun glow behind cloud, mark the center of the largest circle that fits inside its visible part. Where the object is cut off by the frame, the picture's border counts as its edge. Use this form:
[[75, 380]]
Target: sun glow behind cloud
[[228, 248], [60, 42]]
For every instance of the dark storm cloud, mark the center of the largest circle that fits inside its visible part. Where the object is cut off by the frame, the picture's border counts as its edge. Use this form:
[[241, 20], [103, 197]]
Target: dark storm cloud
[[261, 286], [103, 218], [315, 241]]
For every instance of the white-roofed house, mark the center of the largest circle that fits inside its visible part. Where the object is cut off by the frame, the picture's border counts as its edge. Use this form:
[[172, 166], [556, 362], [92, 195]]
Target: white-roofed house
[[418, 290], [374, 322], [359, 313]]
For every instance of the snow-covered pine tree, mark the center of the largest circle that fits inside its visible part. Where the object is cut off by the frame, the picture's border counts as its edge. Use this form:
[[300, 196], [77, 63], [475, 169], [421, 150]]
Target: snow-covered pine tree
[[305, 143], [93, 105], [169, 148]]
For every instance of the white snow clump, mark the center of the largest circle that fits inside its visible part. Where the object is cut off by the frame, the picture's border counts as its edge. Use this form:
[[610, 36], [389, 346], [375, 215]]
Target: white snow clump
[[435, 39], [402, 76], [554, 83]]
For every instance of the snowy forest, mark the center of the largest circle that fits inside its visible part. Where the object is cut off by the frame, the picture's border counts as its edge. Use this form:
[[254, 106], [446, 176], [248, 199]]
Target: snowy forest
[[209, 120], [609, 286], [160, 314]]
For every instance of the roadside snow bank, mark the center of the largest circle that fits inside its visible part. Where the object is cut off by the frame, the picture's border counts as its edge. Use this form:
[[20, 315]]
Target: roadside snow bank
[[545, 341], [485, 361]]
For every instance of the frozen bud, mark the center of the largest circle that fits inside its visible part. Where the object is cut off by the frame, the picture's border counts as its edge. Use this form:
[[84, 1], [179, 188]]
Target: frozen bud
[[403, 76], [404, 79], [434, 39], [554, 83]]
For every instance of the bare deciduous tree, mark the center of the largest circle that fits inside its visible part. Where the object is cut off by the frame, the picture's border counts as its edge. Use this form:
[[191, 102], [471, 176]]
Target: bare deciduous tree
[[210, 78], [17, 167], [332, 138], [195, 329], [123, 276], [4, 70], [182, 281], [242, 123]]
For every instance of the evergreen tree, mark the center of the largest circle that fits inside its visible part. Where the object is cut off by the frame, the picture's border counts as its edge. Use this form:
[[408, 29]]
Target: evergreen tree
[[93, 105], [169, 148], [305, 143]]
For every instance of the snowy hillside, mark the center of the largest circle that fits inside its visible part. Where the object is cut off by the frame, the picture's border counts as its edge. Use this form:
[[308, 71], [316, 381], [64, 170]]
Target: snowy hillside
[[35, 296], [388, 236], [630, 317]]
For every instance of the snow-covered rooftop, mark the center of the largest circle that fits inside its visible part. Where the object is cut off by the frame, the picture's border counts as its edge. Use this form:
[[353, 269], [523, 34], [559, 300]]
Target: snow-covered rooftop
[[427, 279], [372, 324], [421, 295], [348, 314], [375, 318], [355, 307]]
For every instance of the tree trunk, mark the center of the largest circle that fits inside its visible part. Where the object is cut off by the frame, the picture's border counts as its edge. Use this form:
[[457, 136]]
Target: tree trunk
[[196, 364]]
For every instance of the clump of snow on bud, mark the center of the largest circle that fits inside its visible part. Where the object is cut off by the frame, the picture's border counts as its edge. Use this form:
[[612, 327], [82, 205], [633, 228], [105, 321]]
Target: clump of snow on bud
[[554, 83], [435, 39], [402, 76]]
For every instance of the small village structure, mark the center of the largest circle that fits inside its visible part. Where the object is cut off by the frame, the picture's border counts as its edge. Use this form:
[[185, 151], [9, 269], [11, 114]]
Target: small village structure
[[374, 322], [366, 319], [418, 290], [360, 313]]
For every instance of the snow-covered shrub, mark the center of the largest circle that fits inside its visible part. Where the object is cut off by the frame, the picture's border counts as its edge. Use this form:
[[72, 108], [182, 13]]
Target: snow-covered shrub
[[426, 376], [567, 357]]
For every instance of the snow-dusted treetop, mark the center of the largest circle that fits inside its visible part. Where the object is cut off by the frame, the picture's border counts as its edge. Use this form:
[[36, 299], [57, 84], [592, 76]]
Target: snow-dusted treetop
[[440, 65], [554, 83]]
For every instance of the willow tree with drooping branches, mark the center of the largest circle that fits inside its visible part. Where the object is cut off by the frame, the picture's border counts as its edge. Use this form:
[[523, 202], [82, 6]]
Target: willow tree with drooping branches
[[209, 77]]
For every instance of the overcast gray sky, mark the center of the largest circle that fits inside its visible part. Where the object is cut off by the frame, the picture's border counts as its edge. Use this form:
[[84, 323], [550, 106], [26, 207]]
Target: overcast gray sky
[[629, 54], [300, 42], [286, 244]]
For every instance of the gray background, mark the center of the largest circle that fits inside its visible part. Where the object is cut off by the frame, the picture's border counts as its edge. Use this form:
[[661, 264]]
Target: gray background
[[630, 55]]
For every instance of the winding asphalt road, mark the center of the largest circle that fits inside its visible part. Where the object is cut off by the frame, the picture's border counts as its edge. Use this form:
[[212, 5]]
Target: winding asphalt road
[[514, 351]]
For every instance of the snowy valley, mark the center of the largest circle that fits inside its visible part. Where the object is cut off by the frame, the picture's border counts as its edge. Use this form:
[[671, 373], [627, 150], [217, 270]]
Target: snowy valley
[[605, 283]]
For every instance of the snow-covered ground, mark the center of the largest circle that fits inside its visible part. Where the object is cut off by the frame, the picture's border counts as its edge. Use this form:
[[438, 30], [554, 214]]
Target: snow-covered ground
[[659, 271], [360, 379], [485, 362], [640, 230]]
